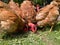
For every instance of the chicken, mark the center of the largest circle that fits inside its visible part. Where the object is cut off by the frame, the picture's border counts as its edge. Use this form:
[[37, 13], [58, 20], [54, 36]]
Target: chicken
[[8, 19], [43, 12], [15, 8], [28, 14], [51, 17]]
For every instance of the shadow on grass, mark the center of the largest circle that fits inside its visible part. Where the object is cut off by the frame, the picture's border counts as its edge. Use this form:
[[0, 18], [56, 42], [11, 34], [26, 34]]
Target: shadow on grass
[[57, 27], [47, 28], [15, 35], [25, 34]]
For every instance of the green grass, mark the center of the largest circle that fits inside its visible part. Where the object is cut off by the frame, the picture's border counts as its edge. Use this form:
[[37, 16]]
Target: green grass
[[42, 38]]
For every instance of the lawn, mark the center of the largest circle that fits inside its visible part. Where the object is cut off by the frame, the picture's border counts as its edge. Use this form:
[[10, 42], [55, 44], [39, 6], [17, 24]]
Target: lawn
[[42, 38]]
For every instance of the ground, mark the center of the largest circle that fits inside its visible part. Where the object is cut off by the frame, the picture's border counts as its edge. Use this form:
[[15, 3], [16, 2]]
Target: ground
[[41, 38]]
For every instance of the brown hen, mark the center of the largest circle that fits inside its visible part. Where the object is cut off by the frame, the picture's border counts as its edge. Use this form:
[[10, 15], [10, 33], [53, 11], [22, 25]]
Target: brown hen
[[43, 12], [8, 19], [28, 14], [51, 17]]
